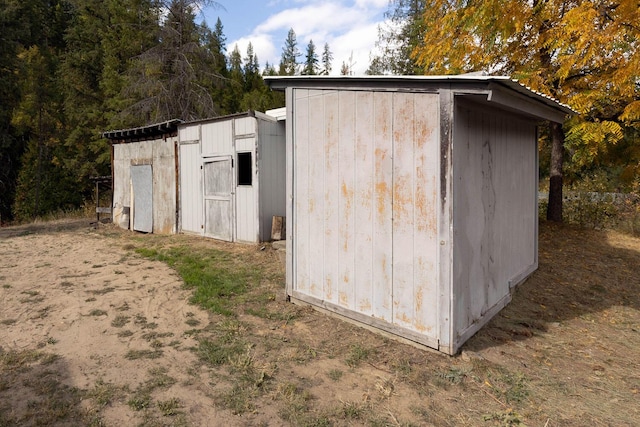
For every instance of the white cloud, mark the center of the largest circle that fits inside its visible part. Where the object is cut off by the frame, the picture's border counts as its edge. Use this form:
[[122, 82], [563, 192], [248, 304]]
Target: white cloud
[[348, 26]]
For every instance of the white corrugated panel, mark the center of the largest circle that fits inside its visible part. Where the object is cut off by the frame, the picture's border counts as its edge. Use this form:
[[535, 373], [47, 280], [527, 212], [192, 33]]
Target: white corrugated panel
[[217, 138], [191, 188]]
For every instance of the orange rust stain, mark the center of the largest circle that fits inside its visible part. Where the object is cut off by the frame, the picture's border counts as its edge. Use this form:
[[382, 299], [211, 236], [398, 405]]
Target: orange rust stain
[[328, 291], [344, 299], [312, 205], [403, 318], [418, 300], [365, 305], [382, 197], [402, 199]]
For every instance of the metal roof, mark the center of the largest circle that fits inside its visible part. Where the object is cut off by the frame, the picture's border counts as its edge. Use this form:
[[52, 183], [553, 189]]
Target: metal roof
[[156, 129], [281, 82]]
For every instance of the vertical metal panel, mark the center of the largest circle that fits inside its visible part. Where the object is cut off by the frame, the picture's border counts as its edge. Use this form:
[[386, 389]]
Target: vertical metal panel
[[426, 209], [142, 183], [382, 200], [403, 209], [218, 207], [189, 132], [314, 195], [271, 164], [303, 204], [217, 138], [495, 218], [245, 126], [347, 280], [164, 188], [191, 188], [329, 167], [246, 207], [363, 203]]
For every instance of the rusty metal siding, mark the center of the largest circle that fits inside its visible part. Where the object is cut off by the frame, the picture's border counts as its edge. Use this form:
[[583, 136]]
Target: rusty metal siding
[[164, 186], [159, 153], [365, 190], [495, 216]]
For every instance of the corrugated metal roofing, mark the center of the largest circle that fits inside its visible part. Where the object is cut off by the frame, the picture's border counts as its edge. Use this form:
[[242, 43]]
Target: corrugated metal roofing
[[143, 131], [462, 78]]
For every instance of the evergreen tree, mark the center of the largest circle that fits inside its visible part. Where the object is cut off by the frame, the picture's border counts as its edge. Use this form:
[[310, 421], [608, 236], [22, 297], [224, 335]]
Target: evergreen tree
[[167, 79], [133, 28], [235, 88], [311, 60], [13, 31], [398, 39], [290, 54], [86, 153], [327, 57], [216, 73]]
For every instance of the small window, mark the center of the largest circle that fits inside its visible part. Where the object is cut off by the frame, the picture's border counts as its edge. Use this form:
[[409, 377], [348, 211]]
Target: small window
[[244, 169]]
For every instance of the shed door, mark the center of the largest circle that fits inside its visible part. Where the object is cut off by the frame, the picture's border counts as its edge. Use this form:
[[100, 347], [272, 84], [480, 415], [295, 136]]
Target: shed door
[[142, 183], [218, 206]]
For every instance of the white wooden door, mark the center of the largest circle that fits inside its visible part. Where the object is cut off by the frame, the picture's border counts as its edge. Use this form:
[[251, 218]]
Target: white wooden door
[[218, 200]]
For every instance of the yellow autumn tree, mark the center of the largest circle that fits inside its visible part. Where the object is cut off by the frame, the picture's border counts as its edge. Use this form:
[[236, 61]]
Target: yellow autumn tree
[[584, 53]]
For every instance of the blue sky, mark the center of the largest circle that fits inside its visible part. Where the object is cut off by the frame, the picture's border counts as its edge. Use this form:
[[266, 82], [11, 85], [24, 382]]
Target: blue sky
[[350, 27]]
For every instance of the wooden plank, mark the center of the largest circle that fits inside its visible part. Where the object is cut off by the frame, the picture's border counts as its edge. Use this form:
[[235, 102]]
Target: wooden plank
[[277, 228], [331, 193], [103, 210], [425, 229], [382, 201], [347, 280], [302, 202], [363, 202]]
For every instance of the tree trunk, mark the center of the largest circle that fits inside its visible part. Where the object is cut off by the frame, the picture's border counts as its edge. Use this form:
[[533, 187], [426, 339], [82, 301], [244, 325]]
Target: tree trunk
[[554, 209]]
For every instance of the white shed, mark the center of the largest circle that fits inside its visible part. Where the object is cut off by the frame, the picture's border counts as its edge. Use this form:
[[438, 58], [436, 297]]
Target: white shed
[[222, 178], [232, 176], [412, 201]]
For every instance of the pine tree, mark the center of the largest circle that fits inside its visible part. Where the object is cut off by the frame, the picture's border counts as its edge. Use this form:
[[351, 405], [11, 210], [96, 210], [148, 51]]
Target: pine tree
[[327, 57], [311, 60], [290, 54], [398, 39]]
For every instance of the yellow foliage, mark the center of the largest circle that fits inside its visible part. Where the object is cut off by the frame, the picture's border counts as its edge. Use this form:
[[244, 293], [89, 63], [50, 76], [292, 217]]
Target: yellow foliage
[[584, 53]]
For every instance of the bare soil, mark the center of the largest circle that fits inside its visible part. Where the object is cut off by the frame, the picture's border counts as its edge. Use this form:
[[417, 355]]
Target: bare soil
[[91, 333]]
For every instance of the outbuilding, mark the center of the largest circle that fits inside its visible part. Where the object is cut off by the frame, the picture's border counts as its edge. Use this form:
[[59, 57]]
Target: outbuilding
[[412, 201], [222, 178]]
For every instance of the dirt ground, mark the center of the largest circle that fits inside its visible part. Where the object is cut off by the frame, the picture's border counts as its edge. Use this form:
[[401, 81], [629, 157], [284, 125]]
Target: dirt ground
[[91, 333]]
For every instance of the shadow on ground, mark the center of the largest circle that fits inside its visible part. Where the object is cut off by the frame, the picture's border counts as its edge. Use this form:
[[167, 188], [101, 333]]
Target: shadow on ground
[[581, 272]]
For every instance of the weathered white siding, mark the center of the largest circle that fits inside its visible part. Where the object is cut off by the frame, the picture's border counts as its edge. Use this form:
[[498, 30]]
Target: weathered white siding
[[365, 198], [246, 196], [240, 212], [190, 186], [495, 210], [160, 154]]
